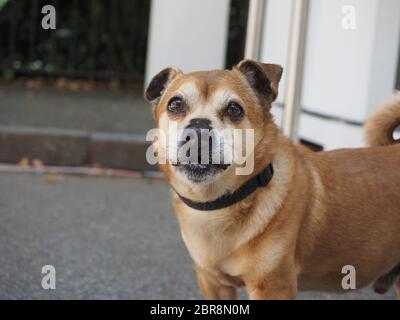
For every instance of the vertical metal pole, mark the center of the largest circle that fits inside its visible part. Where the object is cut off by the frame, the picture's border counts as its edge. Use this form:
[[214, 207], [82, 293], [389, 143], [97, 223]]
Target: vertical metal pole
[[12, 39], [73, 44], [254, 29], [294, 72], [32, 34]]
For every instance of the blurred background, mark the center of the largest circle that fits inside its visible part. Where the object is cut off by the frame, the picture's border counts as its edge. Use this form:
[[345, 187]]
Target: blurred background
[[76, 190]]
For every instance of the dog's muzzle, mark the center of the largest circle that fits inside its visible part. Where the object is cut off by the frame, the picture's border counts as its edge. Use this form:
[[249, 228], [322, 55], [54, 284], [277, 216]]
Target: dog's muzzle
[[195, 150]]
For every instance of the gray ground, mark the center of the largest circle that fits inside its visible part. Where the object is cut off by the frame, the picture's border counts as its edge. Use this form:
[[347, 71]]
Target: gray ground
[[65, 109], [108, 238]]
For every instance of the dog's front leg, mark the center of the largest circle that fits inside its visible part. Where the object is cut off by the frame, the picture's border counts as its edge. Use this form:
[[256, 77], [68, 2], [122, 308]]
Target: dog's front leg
[[266, 293], [273, 286], [212, 287]]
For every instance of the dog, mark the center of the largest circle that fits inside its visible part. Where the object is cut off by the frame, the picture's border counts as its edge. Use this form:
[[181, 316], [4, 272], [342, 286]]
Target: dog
[[300, 216]]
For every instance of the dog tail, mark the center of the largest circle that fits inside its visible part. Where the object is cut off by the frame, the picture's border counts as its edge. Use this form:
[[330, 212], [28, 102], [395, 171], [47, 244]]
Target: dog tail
[[381, 125], [386, 281]]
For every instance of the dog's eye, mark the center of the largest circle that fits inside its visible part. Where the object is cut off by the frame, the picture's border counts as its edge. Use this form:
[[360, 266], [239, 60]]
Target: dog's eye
[[176, 105], [234, 111]]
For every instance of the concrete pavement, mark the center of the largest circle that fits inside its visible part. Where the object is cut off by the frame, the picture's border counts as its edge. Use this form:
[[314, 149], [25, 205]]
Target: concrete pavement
[[74, 128], [93, 111], [108, 238]]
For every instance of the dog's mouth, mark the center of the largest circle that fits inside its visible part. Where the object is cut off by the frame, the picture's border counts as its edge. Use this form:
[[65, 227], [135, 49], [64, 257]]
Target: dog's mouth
[[198, 172], [201, 166], [193, 165]]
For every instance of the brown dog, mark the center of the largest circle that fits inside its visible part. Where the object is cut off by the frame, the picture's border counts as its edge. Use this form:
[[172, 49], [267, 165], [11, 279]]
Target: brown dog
[[317, 213]]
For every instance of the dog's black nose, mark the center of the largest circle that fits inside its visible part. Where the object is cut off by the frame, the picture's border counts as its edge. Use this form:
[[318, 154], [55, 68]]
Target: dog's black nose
[[200, 123], [199, 127], [198, 133]]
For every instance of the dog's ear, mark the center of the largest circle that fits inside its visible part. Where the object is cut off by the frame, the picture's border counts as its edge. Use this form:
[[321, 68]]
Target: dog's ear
[[262, 77], [158, 84]]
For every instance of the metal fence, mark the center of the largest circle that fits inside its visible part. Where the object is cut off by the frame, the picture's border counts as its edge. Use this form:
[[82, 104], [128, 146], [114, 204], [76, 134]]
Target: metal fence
[[237, 31], [398, 73], [96, 39]]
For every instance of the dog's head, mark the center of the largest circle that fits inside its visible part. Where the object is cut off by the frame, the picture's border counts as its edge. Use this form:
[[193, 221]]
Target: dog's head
[[203, 107]]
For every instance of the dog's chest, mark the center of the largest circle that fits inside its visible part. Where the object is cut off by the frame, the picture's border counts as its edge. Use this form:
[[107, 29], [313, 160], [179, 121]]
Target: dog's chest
[[225, 252], [205, 247], [206, 240], [212, 247], [212, 237], [212, 254]]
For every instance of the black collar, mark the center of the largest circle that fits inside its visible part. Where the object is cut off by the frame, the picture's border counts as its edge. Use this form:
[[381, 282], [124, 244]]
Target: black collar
[[228, 199]]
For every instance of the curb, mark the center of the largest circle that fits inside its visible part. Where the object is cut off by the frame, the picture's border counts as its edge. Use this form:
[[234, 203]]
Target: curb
[[66, 147]]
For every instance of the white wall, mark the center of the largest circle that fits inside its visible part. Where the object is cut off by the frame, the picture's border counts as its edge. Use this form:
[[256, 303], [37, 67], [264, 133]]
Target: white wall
[[385, 55], [346, 72], [342, 66], [275, 37], [188, 34], [338, 61]]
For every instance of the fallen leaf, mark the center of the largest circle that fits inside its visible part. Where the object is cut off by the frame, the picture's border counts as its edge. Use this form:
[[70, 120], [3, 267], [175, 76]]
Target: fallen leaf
[[61, 83], [52, 178], [23, 163]]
